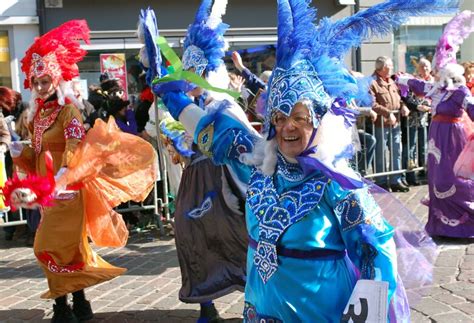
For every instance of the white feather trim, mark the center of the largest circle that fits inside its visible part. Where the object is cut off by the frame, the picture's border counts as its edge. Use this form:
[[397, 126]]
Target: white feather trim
[[144, 57], [263, 156], [218, 10], [332, 137], [141, 33]]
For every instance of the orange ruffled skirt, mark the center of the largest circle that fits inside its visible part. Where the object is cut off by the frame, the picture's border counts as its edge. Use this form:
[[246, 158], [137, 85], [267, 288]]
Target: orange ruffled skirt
[[111, 167]]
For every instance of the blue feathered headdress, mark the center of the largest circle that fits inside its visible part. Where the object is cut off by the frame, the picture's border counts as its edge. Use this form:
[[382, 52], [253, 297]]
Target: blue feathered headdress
[[150, 56], [204, 45], [309, 57]]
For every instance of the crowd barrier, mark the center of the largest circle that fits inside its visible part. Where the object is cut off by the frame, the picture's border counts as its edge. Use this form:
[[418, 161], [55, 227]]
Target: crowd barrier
[[412, 158]]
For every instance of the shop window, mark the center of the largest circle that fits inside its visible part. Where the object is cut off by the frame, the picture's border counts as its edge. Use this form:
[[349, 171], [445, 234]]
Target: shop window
[[413, 43], [89, 68], [257, 59], [5, 67]]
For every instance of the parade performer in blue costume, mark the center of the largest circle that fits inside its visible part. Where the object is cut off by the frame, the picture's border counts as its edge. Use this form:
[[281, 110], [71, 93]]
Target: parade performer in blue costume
[[210, 232], [314, 228]]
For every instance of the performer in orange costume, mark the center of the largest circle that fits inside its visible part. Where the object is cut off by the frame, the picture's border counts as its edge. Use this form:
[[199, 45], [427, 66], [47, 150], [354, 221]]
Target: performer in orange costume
[[61, 245]]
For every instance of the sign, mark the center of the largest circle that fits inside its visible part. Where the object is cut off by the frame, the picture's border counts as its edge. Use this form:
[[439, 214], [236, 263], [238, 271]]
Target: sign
[[368, 303], [116, 66]]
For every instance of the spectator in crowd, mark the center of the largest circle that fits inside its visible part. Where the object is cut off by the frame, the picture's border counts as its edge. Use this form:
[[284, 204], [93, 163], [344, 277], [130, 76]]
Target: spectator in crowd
[[88, 111], [8, 102], [111, 86], [32, 216], [254, 86], [236, 82], [367, 141], [388, 106], [97, 99], [469, 75], [365, 155], [124, 114], [115, 105], [253, 82], [12, 105], [414, 127], [145, 101]]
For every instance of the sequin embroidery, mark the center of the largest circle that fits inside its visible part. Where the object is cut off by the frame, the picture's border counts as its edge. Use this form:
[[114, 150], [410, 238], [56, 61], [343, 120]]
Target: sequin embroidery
[[74, 130], [41, 124], [276, 213]]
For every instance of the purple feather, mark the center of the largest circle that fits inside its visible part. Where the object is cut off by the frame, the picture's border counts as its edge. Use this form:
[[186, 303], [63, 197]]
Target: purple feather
[[458, 29]]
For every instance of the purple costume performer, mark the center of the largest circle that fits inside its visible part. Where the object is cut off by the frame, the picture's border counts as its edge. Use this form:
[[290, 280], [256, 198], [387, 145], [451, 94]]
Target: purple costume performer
[[451, 200]]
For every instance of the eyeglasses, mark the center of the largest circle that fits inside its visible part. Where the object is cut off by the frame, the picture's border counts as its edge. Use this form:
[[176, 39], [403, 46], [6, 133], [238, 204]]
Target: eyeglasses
[[279, 120]]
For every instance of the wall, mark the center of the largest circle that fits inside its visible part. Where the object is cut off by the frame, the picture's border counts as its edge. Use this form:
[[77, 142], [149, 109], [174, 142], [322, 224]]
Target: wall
[[374, 47], [19, 18], [11, 8], [123, 14]]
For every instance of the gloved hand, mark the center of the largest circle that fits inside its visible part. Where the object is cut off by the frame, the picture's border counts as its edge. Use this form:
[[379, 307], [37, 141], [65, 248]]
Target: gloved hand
[[15, 149], [60, 172], [176, 102], [59, 189], [162, 88], [3, 148]]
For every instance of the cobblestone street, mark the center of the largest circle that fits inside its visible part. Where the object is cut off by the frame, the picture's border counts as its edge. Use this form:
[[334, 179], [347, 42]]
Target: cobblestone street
[[148, 292]]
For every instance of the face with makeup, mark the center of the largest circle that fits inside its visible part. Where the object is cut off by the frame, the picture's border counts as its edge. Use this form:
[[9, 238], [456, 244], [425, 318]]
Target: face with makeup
[[43, 86], [293, 133]]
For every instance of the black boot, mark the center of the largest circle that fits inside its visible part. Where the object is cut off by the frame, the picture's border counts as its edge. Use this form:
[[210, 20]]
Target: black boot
[[81, 307], [62, 313], [209, 314]]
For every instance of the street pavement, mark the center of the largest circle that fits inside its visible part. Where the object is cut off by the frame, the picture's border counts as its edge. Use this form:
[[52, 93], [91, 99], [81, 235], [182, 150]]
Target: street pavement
[[148, 292]]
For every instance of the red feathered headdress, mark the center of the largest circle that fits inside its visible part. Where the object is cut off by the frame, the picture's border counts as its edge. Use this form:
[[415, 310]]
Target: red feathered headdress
[[56, 53]]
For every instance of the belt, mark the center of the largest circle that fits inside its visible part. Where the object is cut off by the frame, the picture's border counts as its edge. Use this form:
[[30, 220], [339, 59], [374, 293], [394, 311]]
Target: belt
[[446, 119], [317, 253]]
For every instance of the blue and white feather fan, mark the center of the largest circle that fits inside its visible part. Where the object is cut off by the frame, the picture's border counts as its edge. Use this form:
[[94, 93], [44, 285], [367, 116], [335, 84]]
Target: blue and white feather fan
[[148, 33]]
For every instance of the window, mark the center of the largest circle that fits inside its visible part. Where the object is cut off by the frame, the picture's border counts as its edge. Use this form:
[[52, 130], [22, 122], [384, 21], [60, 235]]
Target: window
[[413, 43], [5, 67], [89, 68]]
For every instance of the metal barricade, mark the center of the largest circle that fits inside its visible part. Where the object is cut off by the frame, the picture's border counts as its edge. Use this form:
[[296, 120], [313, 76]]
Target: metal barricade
[[5, 220], [160, 205], [379, 156]]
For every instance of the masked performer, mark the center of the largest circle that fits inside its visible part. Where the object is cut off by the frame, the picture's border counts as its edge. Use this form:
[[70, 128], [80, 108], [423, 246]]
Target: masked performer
[[61, 244], [210, 234], [451, 211], [313, 227]]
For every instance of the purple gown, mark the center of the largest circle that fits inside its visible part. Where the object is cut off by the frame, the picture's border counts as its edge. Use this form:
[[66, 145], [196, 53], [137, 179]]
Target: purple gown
[[451, 206]]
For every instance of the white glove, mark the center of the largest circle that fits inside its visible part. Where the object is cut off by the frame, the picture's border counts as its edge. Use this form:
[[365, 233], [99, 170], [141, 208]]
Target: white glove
[[3, 148], [15, 149], [60, 172]]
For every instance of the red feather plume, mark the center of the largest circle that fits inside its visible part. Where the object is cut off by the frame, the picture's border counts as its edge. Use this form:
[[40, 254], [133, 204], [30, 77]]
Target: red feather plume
[[63, 42]]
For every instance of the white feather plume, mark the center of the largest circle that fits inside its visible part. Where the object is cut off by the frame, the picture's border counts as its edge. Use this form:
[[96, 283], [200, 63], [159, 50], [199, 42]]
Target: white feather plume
[[218, 10]]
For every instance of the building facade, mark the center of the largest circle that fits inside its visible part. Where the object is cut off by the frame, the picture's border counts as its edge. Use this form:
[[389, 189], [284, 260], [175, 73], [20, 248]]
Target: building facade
[[19, 25], [253, 32]]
